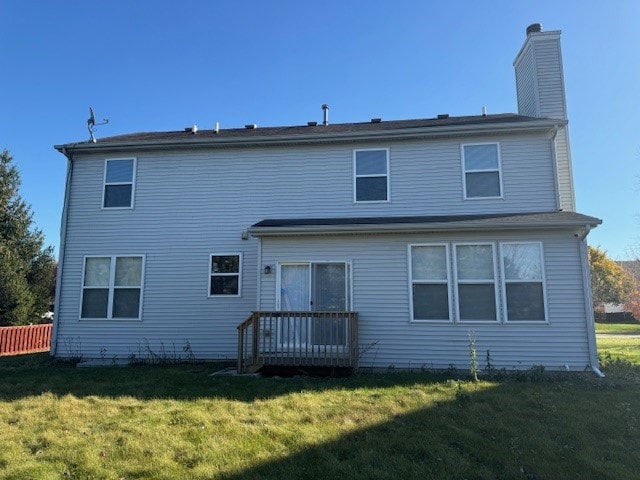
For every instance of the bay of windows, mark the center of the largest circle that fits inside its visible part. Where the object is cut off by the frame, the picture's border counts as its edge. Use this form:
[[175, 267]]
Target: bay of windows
[[478, 282]]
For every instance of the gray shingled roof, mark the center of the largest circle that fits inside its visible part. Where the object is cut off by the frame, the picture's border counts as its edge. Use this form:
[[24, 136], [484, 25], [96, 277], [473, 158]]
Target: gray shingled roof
[[437, 222], [186, 136]]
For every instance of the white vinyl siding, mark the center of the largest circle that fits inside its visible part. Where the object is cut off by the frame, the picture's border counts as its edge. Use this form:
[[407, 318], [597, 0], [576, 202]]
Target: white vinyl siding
[[119, 183], [523, 289], [191, 203], [429, 281], [371, 175], [225, 275], [112, 287], [482, 176]]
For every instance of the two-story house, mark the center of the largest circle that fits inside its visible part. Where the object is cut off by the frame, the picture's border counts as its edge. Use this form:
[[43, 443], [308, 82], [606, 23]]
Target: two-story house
[[388, 243]]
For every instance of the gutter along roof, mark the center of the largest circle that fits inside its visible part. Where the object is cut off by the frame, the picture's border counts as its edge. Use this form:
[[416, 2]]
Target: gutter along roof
[[431, 127], [508, 221]]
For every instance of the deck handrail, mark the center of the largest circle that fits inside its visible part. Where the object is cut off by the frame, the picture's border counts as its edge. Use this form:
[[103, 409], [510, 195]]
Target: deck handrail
[[295, 338]]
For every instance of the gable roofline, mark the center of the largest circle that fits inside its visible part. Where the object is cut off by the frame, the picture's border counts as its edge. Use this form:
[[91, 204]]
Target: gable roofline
[[301, 135], [363, 225]]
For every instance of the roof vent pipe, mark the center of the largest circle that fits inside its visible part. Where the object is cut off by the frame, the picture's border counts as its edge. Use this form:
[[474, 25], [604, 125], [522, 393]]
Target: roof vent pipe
[[484, 111], [534, 28], [325, 108]]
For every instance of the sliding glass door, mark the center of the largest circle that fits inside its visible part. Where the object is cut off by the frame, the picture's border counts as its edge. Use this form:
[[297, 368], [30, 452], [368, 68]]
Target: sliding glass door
[[314, 287]]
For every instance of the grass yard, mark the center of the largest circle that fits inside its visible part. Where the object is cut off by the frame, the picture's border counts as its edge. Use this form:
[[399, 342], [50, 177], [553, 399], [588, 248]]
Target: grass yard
[[619, 348], [173, 422], [618, 328]]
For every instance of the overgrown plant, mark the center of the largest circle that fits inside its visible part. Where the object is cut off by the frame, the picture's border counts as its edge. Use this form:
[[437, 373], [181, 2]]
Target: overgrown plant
[[163, 356], [473, 356], [489, 368]]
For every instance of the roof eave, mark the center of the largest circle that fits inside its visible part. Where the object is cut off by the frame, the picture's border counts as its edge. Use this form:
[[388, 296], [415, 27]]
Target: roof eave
[[399, 134], [414, 227]]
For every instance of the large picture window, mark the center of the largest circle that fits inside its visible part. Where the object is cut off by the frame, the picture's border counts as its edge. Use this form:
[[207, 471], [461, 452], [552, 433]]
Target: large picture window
[[429, 273], [475, 282], [112, 287], [119, 180], [224, 279], [523, 281], [482, 176], [371, 175]]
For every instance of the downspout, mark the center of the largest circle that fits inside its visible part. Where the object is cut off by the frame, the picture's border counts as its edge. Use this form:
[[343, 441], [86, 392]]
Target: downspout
[[588, 305], [63, 237], [555, 167]]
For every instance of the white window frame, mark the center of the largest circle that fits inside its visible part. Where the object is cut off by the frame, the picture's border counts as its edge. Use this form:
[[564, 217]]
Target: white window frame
[[504, 281], [348, 287], [465, 171], [457, 282], [132, 183], [239, 274], [111, 287], [413, 282], [356, 176]]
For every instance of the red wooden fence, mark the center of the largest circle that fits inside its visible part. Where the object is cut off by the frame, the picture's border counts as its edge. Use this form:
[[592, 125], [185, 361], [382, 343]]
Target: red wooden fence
[[26, 339]]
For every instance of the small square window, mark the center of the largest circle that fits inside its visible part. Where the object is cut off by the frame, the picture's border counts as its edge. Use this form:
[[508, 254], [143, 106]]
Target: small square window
[[119, 178], [371, 175], [482, 172], [224, 275]]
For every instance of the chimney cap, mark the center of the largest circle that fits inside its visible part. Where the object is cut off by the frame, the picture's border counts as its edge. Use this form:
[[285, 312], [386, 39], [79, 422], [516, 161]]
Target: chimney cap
[[534, 28]]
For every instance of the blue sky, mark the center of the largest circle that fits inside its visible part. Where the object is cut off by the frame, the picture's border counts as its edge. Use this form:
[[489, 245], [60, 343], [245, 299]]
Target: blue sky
[[166, 65]]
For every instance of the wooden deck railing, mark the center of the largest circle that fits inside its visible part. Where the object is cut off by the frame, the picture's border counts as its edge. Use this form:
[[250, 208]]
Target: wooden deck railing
[[322, 339], [25, 339]]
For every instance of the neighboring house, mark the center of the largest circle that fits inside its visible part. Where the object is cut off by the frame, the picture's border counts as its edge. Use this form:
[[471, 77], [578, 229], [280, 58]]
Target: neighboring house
[[392, 242]]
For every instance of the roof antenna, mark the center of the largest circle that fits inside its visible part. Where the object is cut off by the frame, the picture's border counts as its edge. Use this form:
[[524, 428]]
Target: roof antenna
[[91, 124]]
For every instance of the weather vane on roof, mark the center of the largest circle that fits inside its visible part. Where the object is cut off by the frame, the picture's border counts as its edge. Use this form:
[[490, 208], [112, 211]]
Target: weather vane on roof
[[91, 124]]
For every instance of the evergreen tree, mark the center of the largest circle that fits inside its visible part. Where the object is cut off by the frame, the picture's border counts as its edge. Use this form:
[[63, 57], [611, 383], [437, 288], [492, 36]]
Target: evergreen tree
[[26, 266]]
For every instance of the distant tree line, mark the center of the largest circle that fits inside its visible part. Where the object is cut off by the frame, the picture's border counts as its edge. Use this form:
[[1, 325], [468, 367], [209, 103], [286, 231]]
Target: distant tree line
[[27, 267]]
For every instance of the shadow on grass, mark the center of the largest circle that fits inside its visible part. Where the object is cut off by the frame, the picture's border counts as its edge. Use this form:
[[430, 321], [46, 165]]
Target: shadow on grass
[[31, 375], [479, 435], [559, 426]]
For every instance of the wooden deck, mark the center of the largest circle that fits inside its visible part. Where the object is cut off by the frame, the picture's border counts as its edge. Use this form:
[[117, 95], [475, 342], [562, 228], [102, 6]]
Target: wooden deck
[[290, 339]]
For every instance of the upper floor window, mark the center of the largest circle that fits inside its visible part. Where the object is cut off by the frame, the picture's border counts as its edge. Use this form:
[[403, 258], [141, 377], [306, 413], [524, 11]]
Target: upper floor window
[[119, 180], [224, 278], [482, 171], [371, 175], [112, 287]]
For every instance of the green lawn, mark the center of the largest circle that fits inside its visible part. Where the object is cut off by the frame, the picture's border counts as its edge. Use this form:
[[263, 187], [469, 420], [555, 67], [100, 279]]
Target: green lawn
[[620, 348], [618, 328], [167, 422]]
